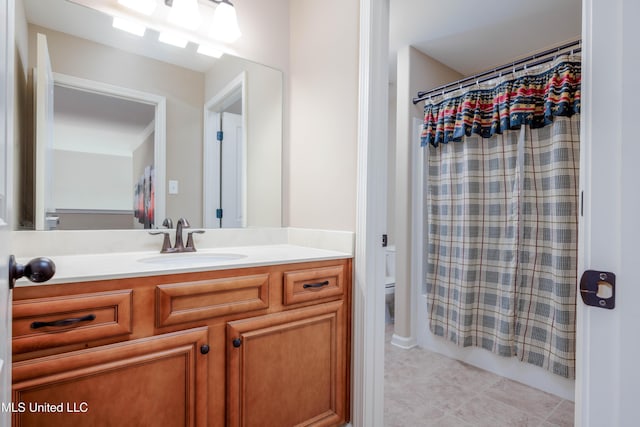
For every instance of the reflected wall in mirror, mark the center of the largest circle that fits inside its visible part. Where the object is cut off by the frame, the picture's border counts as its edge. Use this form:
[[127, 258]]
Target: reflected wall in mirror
[[82, 44]]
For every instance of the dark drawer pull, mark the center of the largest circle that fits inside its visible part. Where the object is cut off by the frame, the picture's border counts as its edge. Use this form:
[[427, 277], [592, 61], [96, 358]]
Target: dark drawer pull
[[64, 322], [315, 285]]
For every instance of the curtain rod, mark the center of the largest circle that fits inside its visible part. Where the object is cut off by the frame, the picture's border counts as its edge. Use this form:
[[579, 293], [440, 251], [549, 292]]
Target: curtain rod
[[484, 76]]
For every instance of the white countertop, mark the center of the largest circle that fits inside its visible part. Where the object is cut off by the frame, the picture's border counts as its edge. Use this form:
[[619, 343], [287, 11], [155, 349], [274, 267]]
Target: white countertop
[[90, 267]]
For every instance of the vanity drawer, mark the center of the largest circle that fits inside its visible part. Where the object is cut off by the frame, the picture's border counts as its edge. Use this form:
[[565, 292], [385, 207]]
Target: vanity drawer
[[312, 284], [191, 301], [52, 322]]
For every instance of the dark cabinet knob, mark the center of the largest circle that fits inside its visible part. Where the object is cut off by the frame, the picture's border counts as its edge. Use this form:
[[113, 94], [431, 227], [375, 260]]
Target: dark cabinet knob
[[37, 270], [204, 349], [237, 342]]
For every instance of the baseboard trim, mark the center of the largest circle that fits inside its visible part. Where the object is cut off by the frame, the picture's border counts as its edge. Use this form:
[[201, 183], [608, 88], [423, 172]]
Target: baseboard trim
[[403, 342]]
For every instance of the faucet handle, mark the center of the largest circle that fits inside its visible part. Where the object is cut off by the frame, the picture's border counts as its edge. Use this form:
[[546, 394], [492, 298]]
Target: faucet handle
[[166, 242], [190, 246], [167, 223]]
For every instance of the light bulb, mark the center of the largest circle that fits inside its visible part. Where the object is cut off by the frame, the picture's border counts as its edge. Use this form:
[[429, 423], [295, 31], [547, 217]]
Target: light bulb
[[185, 14], [225, 23]]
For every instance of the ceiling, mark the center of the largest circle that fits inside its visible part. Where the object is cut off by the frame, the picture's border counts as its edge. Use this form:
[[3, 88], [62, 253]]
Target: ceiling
[[122, 122], [471, 35]]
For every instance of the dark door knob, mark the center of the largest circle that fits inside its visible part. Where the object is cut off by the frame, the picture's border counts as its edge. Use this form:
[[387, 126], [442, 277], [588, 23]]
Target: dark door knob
[[37, 270]]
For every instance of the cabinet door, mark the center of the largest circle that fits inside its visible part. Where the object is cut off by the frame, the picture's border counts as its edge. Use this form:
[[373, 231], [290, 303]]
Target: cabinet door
[[156, 381], [288, 369]]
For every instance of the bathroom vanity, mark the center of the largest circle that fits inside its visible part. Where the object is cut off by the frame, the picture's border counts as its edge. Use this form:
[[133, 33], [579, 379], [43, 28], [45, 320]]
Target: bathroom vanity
[[239, 343]]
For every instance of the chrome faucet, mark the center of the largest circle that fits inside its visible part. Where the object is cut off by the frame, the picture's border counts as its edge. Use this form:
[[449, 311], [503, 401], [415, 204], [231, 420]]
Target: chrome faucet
[[179, 245]]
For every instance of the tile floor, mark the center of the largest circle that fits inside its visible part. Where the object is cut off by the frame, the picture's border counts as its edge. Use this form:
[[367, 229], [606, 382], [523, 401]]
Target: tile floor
[[423, 388]]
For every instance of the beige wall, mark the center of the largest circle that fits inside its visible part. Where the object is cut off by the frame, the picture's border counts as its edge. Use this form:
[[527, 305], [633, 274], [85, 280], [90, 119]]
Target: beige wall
[[264, 134], [320, 158], [416, 72], [265, 32], [184, 92]]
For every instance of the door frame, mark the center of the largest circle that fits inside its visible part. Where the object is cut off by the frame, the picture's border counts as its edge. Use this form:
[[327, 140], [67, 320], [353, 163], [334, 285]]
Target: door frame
[[7, 216], [606, 369], [211, 156], [159, 128], [597, 390], [368, 289]]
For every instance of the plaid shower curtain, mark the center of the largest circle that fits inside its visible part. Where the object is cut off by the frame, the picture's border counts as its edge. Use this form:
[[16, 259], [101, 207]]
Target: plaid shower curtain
[[501, 209]]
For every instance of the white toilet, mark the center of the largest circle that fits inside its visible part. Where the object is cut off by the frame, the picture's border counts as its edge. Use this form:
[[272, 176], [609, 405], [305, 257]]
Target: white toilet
[[389, 282]]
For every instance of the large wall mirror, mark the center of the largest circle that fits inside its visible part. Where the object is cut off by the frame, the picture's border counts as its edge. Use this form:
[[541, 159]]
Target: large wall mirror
[[126, 129]]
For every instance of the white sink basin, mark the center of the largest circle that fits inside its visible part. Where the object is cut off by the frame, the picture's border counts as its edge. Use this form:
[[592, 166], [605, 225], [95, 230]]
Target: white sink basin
[[186, 259]]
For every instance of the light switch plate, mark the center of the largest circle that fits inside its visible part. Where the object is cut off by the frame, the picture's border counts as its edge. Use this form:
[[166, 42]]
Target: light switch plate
[[173, 187]]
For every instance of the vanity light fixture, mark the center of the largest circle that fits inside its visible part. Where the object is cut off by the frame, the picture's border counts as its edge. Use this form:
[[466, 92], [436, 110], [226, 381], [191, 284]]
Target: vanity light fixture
[[146, 7], [184, 13], [129, 26], [225, 22], [173, 39], [178, 25]]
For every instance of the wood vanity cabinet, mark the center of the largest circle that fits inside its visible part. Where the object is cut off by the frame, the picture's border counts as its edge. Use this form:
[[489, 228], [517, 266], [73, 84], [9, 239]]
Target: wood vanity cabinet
[[153, 381], [259, 346], [288, 369]]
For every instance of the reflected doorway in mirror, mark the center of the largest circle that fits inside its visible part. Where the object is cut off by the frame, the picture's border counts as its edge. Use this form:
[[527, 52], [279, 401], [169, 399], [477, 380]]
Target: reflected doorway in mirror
[[81, 106], [225, 183]]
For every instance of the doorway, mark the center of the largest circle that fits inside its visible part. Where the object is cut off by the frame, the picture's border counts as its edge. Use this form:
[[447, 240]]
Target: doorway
[[374, 21], [225, 160]]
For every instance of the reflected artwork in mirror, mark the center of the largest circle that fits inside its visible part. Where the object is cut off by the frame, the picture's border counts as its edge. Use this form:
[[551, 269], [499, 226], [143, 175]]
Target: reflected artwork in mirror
[[151, 148]]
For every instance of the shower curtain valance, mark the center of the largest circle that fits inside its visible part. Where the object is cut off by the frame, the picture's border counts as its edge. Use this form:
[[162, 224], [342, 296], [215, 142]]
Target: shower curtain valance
[[530, 97]]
